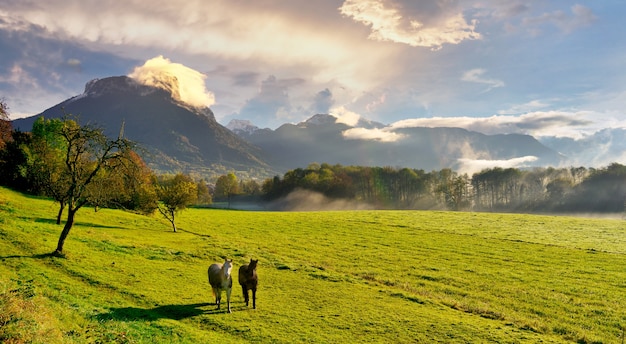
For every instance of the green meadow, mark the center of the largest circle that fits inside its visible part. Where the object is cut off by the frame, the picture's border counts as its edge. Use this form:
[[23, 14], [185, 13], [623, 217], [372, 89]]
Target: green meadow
[[325, 277]]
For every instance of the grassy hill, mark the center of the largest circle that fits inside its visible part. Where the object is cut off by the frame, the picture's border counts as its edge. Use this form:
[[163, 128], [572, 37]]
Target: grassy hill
[[352, 276]]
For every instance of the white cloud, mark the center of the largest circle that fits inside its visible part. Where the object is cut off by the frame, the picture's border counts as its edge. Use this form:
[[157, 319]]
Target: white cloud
[[17, 75], [574, 124], [375, 134], [476, 75], [389, 23], [345, 116], [158, 72], [471, 166]]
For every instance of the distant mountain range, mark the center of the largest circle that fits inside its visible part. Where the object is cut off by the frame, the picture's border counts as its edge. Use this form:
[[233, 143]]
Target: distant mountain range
[[321, 139], [180, 137]]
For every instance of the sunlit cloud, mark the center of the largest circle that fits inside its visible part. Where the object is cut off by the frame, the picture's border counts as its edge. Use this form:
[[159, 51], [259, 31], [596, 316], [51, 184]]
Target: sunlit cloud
[[345, 116], [388, 22], [161, 72]]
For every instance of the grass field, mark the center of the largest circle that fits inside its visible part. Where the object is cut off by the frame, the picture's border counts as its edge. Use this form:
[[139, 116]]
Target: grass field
[[325, 277]]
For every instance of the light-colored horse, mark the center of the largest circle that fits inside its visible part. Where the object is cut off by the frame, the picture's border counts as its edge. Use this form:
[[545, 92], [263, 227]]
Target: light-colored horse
[[221, 279]]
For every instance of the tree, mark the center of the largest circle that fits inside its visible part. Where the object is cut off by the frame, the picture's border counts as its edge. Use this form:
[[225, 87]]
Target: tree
[[227, 186], [175, 193], [14, 161], [46, 161], [5, 124], [87, 152], [204, 194]]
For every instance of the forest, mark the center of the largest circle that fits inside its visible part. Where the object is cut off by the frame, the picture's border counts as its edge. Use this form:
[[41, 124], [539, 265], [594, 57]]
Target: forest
[[573, 189]]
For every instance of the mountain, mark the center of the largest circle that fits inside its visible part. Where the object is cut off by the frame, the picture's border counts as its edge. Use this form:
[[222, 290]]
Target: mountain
[[322, 139], [242, 127], [175, 135]]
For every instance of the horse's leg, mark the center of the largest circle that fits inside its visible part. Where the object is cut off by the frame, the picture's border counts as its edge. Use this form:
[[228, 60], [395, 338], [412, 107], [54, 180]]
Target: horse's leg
[[245, 293], [218, 297], [228, 291], [253, 298]]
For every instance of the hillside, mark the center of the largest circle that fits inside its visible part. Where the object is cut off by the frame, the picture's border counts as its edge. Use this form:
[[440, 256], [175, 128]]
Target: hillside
[[392, 276]]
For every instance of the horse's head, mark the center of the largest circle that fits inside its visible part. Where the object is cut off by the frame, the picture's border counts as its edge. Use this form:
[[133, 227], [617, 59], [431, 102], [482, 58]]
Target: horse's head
[[252, 264], [227, 267]]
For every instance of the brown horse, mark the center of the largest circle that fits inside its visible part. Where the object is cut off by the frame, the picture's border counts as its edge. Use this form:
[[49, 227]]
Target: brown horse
[[221, 279], [248, 280]]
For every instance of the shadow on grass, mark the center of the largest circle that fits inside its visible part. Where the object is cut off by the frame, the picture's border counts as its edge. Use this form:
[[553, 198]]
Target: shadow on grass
[[174, 312], [194, 233], [77, 223], [34, 256]]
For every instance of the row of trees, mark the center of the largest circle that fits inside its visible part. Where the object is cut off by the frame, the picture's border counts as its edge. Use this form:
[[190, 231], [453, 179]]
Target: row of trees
[[496, 189]]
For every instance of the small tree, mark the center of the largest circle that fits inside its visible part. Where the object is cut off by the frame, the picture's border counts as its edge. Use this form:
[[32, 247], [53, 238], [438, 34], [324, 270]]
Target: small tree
[[227, 186], [175, 193], [5, 124]]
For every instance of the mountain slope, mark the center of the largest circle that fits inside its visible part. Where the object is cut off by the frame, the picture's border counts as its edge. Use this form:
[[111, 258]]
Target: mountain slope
[[176, 135]]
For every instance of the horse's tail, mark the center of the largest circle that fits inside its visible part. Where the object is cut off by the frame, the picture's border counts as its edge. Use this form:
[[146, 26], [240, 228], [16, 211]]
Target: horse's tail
[[209, 278]]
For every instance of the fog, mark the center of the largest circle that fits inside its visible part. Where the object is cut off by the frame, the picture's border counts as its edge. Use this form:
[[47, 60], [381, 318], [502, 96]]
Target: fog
[[305, 200]]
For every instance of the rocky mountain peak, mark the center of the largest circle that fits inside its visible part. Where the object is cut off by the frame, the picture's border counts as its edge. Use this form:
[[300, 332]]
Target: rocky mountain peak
[[240, 125], [320, 119]]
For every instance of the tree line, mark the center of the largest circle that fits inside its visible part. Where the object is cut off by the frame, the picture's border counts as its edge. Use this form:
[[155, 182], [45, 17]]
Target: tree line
[[573, 189]]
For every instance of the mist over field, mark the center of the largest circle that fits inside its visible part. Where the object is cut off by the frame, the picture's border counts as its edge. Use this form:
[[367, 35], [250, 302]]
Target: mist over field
[[307, 200]]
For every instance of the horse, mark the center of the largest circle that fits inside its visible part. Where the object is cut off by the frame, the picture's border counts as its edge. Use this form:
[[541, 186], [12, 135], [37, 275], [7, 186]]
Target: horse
[[221, 279], [248, 280]]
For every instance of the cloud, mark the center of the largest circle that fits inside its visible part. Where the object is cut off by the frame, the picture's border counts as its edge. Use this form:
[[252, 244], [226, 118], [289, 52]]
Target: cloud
[[471, 166], [388, 22], [323, 101], [573, 124], [374, 134], [262, 33], [476, 75], [532, 105], [158, 72], [579, 17], [345, 116], [272, 102]]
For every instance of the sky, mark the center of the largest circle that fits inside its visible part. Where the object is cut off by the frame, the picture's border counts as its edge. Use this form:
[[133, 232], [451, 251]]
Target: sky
[[538, 67]]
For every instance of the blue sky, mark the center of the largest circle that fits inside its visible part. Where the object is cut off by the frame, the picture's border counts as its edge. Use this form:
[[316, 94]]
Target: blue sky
[[537, 67]]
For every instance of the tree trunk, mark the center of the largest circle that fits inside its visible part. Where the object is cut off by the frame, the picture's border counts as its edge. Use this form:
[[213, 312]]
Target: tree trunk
[[60, 214], [66, 231], [173, 223]]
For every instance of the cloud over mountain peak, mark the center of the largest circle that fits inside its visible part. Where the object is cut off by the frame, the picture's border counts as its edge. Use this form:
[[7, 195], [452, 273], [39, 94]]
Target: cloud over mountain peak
[[184, 83]]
